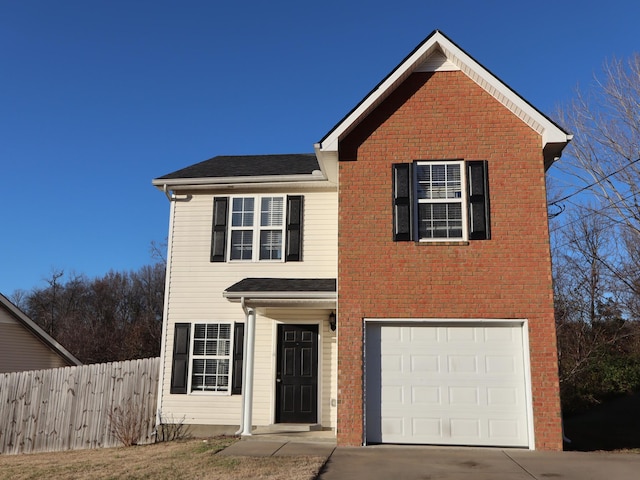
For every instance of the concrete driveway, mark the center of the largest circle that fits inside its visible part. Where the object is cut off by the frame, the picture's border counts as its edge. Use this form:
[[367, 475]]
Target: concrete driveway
[[391, 462], [431, 463]]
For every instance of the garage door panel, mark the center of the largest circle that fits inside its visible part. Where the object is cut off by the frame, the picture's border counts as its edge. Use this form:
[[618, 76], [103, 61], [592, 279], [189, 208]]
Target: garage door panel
[[457, 364], [447, 385], [392, 364], [464, 396], [461, 335], [426, 395], [503, 396], [424, 363]]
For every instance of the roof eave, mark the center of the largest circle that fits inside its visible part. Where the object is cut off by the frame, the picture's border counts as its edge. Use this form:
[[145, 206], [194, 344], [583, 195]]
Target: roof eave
[[161, 183], [237, 296]]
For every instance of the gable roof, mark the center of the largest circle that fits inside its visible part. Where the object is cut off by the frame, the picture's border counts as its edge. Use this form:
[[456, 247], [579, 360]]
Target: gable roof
[[438, 53], [246, 169], [38, 332]]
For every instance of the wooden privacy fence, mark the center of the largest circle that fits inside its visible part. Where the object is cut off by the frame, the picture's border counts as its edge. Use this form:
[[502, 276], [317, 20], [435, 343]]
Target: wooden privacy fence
[[78, 407]]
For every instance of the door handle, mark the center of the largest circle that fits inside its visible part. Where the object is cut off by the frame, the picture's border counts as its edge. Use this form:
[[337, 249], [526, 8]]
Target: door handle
[[278, 380]]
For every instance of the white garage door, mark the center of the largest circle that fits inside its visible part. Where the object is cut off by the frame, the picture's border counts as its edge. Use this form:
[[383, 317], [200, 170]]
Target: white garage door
[[446, 384]]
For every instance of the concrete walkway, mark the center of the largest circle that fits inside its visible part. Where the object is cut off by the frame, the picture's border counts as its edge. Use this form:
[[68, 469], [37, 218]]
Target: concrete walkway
[[433, 463]]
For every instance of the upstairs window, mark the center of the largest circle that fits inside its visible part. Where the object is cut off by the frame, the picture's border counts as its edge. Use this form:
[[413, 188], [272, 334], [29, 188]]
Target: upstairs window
[[441, 211], [271, 228], [257, 228], [441, 201]]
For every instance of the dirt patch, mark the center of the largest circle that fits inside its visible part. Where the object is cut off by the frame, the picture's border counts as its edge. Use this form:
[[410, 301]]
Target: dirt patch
[[613, 426], [192, 459]]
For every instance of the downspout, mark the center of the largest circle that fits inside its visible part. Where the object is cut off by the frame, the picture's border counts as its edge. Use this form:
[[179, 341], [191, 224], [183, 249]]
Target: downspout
[[165, 316], [247, 368], [167, 192]]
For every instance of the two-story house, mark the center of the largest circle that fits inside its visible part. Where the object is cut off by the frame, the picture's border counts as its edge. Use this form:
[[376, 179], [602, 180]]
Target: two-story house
[[394, 286]]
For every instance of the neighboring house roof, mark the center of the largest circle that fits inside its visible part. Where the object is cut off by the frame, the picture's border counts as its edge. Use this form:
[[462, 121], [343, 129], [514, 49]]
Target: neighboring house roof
[[282, 288], [38, 332], [246, 169], [438, 53]]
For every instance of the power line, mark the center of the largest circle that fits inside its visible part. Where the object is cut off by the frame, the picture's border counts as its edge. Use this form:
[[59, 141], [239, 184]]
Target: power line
[[592, 211], [592, 184]]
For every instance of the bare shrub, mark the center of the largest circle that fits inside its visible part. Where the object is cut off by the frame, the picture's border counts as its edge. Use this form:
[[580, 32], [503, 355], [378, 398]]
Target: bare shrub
[[169, 429], [126, 424]]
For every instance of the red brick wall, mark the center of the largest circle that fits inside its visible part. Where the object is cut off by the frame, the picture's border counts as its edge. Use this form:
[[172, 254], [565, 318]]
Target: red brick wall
[[445, 115]]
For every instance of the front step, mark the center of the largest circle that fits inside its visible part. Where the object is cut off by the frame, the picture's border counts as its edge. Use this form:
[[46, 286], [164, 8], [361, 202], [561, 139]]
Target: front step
[[279, 428]]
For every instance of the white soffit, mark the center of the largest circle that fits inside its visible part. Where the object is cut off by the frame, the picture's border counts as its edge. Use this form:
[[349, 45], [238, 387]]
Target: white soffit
[[436, 54]]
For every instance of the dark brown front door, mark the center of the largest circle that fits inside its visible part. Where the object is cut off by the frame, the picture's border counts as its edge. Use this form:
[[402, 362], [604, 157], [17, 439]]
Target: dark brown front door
[[297, 374]]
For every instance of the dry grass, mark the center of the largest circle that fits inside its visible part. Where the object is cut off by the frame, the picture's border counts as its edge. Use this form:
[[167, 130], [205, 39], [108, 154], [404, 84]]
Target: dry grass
[[191, 459]]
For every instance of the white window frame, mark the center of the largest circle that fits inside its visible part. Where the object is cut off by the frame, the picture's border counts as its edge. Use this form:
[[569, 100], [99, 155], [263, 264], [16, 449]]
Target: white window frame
[[193, 357], [462, 200], [256, 228]]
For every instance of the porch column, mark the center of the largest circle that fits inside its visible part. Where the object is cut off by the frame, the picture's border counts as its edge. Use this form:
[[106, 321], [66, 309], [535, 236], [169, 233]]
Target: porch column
[[248, 367]]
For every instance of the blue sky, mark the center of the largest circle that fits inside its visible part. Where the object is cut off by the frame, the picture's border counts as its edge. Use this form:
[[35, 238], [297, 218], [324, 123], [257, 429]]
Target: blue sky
[[99, 97]]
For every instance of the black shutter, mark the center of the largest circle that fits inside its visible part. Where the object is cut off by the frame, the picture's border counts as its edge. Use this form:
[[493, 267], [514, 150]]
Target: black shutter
[[219, 234], [293, 251], [180, 361], [402, 193], [477, 177], [238, 354]]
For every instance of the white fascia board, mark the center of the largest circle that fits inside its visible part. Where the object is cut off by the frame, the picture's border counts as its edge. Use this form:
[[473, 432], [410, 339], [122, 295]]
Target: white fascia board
[[547, 129], [176, 182], [539, 122]]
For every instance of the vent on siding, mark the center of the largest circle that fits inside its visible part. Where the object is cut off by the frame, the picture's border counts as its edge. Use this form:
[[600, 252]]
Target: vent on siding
[[437, 62]]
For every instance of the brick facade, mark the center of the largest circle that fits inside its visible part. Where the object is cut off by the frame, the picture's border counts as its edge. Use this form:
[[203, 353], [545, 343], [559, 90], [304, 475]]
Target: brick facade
[[444, 115]]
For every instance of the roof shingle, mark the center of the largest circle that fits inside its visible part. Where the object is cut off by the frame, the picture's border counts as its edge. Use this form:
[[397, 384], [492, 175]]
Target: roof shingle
[[249, 166], [284, 285]]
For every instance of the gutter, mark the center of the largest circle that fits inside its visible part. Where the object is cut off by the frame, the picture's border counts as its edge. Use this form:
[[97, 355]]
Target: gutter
[[316, 176], [243, 296]]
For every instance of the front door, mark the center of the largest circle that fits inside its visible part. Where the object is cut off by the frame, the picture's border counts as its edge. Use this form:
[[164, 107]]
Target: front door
[[297, 374]]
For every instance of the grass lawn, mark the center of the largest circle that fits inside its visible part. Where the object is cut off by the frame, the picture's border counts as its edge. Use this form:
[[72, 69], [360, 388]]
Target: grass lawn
[[188, 459]]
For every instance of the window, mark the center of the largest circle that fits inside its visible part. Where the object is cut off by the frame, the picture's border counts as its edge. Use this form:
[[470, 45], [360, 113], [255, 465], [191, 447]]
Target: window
[[211, 357], [207, 357], [242, 229], [439, 195], [264, 230], [440, 201], [258, 228]]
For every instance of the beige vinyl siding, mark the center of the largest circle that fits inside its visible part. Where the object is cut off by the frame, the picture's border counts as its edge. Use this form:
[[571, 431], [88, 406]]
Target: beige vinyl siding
[[21, 350], [195, 287]]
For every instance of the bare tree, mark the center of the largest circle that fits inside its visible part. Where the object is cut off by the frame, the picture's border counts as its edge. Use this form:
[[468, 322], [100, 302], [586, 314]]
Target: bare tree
[[584, 290], [114, 317], [604, 155]]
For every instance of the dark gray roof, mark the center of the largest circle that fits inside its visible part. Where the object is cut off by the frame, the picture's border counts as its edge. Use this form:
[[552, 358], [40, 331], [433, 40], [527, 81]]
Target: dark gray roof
[[284, 285], [249, 166]]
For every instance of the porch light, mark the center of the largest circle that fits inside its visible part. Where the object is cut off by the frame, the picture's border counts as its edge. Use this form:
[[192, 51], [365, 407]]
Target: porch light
[[332, 321]]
